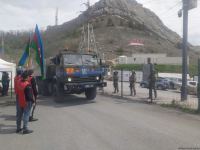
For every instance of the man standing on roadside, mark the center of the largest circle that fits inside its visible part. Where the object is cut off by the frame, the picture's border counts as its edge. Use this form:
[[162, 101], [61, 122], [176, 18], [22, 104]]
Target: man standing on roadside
[[5, 83], [115, 82], [26, 99], [33, 84], [152, 85], [132, 81]]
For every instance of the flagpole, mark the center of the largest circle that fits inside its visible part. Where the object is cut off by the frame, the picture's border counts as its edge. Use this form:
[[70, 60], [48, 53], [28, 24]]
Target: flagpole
[[29, 53]]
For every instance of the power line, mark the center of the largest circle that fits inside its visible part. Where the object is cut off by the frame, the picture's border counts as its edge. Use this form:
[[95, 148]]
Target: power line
[[149, 2], [171, 8]]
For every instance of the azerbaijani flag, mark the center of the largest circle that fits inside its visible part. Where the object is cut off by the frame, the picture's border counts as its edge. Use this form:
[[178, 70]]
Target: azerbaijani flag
[[37, 45], [25, 54]]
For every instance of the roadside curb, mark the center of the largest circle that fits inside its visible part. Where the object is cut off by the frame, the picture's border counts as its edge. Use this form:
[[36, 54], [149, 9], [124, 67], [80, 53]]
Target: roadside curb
[[138, 100], [6, 101], [144, 101]]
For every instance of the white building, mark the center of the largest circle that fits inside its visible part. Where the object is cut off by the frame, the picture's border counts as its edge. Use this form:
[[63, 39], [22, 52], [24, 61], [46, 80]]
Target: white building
[[122, 60], [155, 58]]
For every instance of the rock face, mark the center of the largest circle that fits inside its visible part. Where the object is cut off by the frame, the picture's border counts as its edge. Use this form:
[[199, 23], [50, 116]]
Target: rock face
[[130, 9], [117, 22]]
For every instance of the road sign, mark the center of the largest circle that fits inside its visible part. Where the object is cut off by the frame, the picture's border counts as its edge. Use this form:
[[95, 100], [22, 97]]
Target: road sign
[[192, 4]]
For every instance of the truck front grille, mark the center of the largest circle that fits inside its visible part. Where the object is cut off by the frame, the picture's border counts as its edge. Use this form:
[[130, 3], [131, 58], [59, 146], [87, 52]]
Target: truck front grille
[[84, 79]]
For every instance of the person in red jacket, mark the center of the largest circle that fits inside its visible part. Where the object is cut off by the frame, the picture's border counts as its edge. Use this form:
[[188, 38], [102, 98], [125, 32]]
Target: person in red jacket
[[26, 99], [33, 83], [16, 85]]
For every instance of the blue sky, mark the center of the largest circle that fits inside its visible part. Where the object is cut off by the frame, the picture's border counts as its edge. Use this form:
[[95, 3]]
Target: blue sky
[[23, 15]]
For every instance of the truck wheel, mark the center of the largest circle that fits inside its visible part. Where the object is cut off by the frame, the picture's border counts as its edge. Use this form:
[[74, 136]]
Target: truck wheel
[[58, 93], [50, 89], [91, 93], [142, 85], [159, 87], [44, 89]]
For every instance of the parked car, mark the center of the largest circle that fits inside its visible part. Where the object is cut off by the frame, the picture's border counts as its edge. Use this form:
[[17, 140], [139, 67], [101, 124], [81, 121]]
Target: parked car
[[178, 84], [191, 87], [161, 84], [172, 82], [144, 84]]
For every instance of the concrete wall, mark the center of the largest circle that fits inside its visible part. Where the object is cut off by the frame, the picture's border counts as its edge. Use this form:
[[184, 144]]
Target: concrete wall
[[127, 74], [155, 58]]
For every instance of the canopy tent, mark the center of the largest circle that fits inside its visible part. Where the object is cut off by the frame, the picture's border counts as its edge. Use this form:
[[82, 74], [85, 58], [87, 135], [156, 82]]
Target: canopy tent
[[8, 67], [5, 68]]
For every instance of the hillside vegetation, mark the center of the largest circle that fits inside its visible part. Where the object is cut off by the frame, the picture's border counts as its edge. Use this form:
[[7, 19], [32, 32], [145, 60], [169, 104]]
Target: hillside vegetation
[[116, 23]]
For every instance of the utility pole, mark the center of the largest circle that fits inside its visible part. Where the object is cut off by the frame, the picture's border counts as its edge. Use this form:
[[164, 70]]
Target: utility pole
[[184, 51], [88, 37], [187, 5]]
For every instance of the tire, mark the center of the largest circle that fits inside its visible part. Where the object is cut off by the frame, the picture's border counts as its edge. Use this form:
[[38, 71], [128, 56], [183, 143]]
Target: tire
[[44, 89], [171, 86], [142, 85], [159, 87], [50, 89], [91, 93], [58, 92]]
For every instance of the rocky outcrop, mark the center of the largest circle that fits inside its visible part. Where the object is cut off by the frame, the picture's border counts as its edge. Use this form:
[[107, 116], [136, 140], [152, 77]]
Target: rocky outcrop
[[116, 23]]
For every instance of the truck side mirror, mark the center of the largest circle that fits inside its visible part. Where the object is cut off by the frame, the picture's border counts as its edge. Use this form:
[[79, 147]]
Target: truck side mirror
[[57, 60], [53, 60], [100, 61]]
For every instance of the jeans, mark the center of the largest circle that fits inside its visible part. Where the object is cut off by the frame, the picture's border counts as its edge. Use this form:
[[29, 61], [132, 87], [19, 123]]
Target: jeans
[[17, 113], [151, 90], [132, 88], [24, 113], [4, 87], [116, 87]]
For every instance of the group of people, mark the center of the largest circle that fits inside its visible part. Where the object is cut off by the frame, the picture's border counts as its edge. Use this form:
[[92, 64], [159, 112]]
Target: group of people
[[26, 95], [5, 80], [132, 82]]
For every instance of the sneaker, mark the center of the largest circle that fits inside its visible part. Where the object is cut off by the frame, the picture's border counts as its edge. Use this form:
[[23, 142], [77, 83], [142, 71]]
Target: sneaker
[[31, 119], [26, 131], [18, 130]]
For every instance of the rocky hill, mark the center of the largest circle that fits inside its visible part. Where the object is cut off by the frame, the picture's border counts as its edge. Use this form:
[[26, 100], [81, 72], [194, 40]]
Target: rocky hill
[[116, 23]]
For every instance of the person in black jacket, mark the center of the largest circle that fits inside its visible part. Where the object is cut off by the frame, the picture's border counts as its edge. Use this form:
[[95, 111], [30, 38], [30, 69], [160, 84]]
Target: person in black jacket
[[33, 83], [5, 83]]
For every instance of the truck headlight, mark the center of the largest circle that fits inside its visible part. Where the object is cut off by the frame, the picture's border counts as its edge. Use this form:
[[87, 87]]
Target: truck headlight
[[97, 78], [69, 79]]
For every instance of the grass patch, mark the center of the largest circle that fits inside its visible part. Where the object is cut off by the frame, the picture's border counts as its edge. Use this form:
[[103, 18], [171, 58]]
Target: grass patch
[[184, 107], [193, 69]]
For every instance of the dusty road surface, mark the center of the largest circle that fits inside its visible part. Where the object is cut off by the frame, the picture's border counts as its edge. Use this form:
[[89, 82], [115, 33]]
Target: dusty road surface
[[104, 124]]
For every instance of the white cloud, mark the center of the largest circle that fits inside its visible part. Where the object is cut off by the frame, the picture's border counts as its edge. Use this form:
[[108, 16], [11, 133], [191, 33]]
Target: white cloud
[[20, 14]]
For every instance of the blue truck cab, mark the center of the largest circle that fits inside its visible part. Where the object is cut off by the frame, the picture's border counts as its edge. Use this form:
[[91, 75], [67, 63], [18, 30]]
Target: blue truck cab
[[74, 73]]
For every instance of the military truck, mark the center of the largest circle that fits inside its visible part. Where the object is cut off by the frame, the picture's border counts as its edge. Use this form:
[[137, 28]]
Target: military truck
[[72, 73]]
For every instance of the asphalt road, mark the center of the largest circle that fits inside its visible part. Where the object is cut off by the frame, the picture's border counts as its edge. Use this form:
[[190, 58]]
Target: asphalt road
[[104, 124]]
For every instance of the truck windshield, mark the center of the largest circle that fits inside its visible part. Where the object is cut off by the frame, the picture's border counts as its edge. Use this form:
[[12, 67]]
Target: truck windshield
[[89, 60], [72, 59]]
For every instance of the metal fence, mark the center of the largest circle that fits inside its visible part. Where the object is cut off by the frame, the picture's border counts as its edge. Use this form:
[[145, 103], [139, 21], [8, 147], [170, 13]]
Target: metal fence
[[165, 96]]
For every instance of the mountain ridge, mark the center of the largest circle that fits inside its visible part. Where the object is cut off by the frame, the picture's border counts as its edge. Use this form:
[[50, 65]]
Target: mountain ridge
[[116, 23]]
